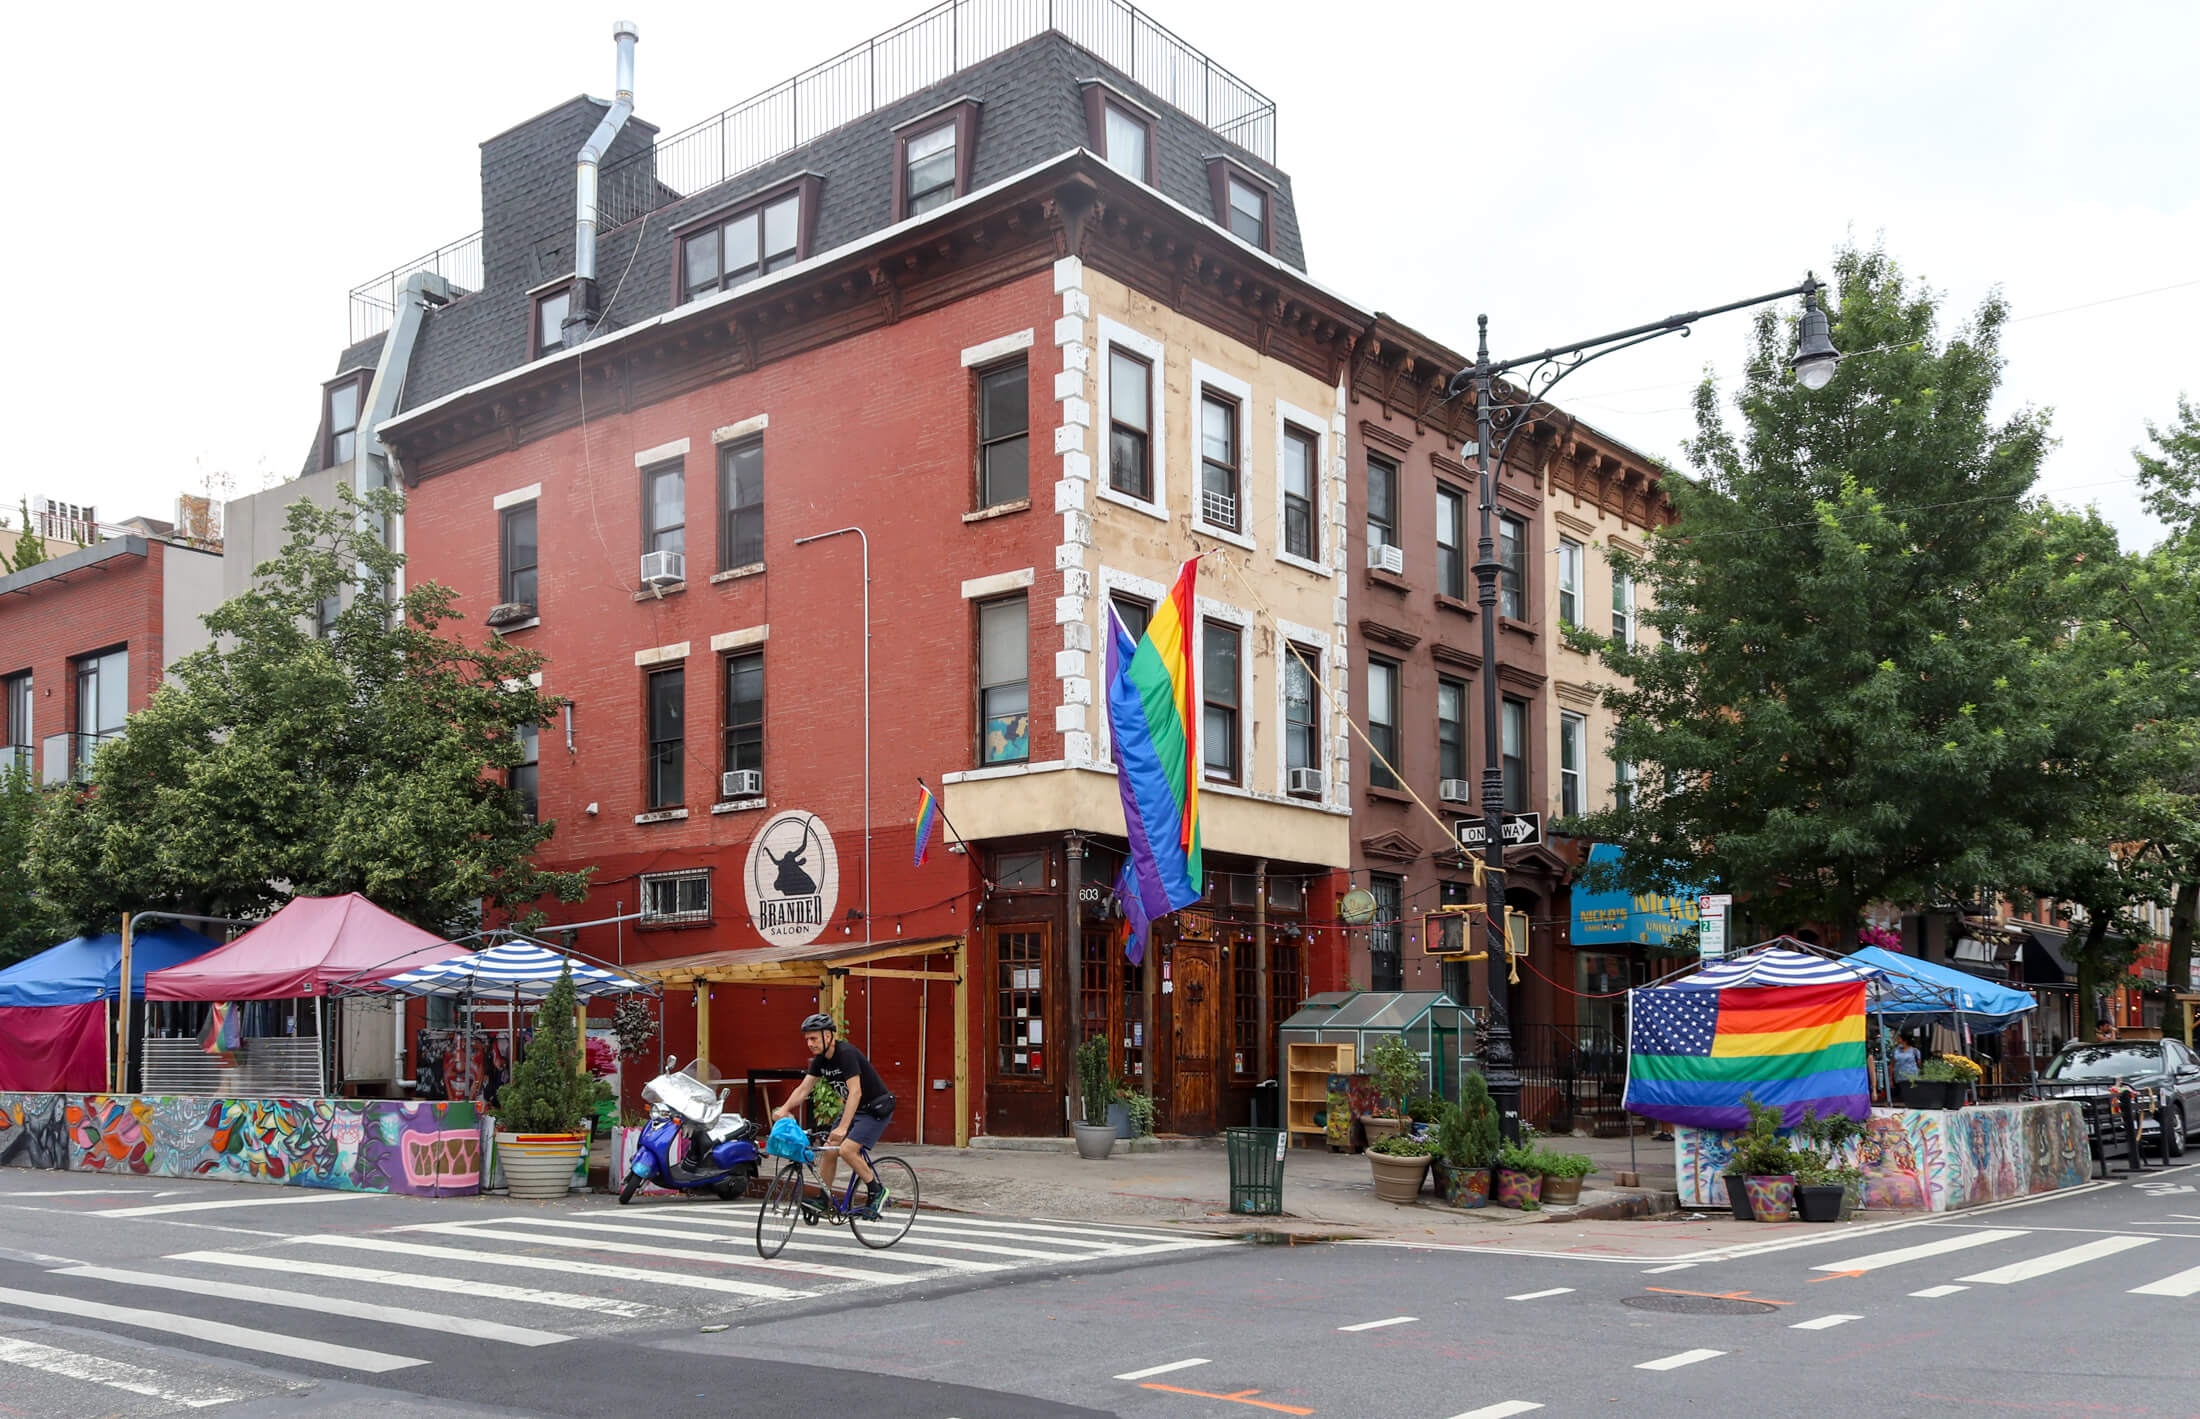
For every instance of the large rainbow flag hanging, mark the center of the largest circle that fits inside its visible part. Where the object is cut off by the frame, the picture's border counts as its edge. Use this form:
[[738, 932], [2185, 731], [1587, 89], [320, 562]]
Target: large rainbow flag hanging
[[1153, 724], [1694, 1052]]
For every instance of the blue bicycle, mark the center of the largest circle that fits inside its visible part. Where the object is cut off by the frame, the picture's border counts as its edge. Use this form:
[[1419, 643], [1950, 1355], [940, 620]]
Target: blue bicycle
[[787, 1200]]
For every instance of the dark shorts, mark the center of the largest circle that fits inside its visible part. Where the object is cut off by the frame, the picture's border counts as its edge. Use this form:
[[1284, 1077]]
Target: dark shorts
[[866, 1126]]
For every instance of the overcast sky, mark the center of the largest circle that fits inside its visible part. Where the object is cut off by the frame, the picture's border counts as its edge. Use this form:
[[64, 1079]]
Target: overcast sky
[[197, 191]]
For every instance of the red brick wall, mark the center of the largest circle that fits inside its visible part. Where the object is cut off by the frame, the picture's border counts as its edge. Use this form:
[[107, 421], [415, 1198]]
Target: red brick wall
[[874, 431], [116, 603]]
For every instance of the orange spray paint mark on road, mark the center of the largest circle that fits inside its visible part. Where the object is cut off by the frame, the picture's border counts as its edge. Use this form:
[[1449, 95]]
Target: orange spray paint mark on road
[[1243, 1396]]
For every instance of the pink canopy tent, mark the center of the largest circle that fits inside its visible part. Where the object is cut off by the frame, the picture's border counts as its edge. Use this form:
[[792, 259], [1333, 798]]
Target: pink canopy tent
[[310, 945]]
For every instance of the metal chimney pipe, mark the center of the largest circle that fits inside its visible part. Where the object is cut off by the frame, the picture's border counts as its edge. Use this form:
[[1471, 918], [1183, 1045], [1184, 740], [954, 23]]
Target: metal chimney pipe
[[627, 34]]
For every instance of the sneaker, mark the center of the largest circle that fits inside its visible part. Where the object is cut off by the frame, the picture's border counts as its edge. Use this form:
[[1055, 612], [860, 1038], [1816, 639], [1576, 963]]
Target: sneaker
[[880, 1197]]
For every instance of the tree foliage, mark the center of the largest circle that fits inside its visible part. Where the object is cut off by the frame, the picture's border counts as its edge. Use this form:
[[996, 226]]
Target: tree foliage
[[28, 924], [549, 1092], [281, 763], [30, 548]]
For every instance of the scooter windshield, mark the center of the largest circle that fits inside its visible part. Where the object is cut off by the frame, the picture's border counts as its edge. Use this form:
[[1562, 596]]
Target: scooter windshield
[[686, 1096]]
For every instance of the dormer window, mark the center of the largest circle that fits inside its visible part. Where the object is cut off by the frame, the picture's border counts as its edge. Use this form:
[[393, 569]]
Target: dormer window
[[551, 310], [932, 158], [735, 248], [340, 401], [1244, 204], [1120, 131]]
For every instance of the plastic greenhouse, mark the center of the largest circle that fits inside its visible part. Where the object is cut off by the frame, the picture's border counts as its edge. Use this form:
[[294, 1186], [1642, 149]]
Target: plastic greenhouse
[[1438, 1028]]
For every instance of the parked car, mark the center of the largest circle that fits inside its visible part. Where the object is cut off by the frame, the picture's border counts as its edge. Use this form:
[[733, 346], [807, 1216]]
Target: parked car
[[2167, 1068]]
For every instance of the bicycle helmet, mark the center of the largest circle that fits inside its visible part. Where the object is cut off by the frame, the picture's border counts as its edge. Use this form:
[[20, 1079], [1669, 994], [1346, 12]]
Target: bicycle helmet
[[819, 1022]]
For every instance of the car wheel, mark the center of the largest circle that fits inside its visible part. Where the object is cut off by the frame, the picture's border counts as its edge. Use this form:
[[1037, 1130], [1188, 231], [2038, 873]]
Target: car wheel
[[2175, 1123]]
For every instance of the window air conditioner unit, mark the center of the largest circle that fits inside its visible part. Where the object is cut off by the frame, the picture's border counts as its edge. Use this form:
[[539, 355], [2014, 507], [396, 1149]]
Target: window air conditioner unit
[[741, 783], [663, 568], [1387, 558], [1452, 790], [1309, 782]]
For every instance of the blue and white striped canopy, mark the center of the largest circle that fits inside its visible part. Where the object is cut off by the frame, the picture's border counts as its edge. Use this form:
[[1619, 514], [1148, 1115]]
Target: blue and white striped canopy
[[1775, 965], [519, 967]]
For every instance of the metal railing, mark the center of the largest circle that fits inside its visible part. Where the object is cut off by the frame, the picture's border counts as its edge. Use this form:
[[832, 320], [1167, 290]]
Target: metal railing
[[1219, 510], [374, 301]]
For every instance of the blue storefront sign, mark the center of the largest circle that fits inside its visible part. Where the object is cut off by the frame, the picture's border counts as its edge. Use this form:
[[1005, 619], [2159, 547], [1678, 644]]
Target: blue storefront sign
[[1650, 919]]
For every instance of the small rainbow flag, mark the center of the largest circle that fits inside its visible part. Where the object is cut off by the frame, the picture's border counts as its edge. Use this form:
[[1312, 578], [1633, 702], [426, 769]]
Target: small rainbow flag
[[1693, 1053], [928, 813], [1153, 723]]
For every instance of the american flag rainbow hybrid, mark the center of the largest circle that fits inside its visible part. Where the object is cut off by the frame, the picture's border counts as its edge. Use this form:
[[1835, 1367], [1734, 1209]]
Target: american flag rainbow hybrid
[[1693, 1053]]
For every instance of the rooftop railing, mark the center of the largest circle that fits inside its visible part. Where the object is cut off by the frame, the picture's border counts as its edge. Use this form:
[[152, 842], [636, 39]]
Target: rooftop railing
[[374, 302]]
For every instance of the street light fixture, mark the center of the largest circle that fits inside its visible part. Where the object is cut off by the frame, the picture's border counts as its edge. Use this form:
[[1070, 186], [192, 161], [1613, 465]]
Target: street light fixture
[[1495, 424]]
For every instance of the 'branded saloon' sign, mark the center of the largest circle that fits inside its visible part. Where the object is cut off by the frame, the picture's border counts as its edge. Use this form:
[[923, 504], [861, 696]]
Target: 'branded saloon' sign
[[792, 879]]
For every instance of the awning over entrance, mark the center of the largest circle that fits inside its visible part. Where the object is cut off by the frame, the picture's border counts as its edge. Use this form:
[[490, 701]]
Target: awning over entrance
[[1628, 918]]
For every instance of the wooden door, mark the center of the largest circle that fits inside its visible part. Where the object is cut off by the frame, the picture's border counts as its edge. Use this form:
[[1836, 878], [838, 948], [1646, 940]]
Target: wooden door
[[1198, 1001], [1021, 1064]]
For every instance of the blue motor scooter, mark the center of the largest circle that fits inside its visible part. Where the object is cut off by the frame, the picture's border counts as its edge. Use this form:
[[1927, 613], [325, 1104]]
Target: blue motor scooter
[[690, 1142]]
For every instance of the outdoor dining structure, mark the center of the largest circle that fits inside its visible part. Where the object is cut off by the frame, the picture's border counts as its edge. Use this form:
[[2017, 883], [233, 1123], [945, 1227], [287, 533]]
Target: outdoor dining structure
[[1791, 1027], [58, 1008]]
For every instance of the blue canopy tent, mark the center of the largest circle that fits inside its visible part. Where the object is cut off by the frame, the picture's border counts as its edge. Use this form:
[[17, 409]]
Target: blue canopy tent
[[53, 1012], [1909, 986]]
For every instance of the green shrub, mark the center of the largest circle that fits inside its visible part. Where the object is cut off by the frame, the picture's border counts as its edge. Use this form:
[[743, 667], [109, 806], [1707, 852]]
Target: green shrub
[[1094, 1083], [1140, 1104], [549, 1092], [1553, 1164], [1521, 1157], [1404, 1145], [1396, 1070], [1469, 1130]]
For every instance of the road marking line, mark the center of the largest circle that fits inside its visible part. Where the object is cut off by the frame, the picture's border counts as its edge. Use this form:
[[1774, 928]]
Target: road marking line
[[261, 1342], [547, 1263], [166, 1208], [452, 1285], [2057, 1260], [928, 1225], [1150, 1372], [1379, 1324], [2183, 1283], [1686, 1357], [1058, 1224], [720, 1258], [1961, 1242], [1823, 1322], [1676, 1266], [904, 1253], [1243, 1396], [132, 1379], [1504, 1410], [1539, 1295], [84, 1192], [327, 1305], [1933, 1293]]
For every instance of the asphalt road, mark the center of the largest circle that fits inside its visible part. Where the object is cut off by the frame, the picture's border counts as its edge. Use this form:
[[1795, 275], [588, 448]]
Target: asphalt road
[[158, 1298]]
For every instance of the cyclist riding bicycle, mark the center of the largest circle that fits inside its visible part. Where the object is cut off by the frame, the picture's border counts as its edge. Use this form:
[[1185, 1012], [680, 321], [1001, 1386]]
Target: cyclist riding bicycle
[[863, 1115]]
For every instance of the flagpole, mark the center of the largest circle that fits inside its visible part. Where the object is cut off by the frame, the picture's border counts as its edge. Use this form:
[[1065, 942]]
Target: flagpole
[[939, 806]]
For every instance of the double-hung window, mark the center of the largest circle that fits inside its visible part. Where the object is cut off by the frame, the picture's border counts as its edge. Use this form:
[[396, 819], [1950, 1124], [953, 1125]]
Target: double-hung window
[[667, 696], [325, 612], [1623, 784], [1124, 141], [343, 421], [516, 555], [744, 705], [1573, 758], [1130, 425], [928, 169], [1451, 555], [1623, 608], [1297, 480], [1513, 745], [1004, 434], [525, 776], [1248, 214], [1302, 720], [1218, 460], [1451, 729], [1004, 681], [1382, 722], [1133, 612], [664, 508], [1382, 504], [551, 310], [1512, 574], [741, 248], [1218, 727], [741, 504], [1569, 581]]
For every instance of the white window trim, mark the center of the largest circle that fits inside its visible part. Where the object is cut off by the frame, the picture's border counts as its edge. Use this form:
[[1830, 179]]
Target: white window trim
[[1111, 581], [662, 453], [980, 588], [1287, 413], [1620, 578], [1581, 563], [1204, 378], [1625, 772], [1000, 349], [518, 497], [1243, 620], [1113, 333], [741, 639], [662, 654], [731, 432], [1466, 544], [1578, 725], [1324, 741]]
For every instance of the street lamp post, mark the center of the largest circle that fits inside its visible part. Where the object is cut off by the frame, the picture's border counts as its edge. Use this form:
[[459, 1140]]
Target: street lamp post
[[1813, 364]]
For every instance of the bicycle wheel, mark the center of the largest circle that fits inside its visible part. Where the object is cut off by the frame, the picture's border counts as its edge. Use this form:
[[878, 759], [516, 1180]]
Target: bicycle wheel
[[781, 1208], [892, 1224]]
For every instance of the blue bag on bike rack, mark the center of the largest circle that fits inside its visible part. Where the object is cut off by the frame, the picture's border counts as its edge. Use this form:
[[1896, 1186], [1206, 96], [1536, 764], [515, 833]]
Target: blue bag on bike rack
[[789, 1141]]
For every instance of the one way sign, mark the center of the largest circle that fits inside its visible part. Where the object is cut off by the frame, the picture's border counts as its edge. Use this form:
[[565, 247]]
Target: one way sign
[[1518, 830]]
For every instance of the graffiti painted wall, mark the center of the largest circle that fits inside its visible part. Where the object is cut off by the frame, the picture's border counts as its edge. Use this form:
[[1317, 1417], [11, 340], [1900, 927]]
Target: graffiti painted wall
[[351, 1145], [1928, 1159]]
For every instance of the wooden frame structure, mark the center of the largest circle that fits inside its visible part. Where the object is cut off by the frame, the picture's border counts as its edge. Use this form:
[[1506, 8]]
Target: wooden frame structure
[[825, 967]]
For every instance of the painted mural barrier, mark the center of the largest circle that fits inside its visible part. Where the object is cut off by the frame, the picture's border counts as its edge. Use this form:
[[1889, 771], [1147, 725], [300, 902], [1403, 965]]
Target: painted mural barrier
[[424, 1149], [1935, 1160]]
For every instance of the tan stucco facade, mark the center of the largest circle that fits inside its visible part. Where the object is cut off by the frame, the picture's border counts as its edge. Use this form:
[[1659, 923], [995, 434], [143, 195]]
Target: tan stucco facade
[[1578, 527]]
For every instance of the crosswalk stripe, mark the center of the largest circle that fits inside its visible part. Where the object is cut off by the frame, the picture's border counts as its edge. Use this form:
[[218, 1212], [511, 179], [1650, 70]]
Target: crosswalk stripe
[[1151, 1370], [1057, 1224], [922, 1236], [1961, 1241], [327, 1305], [480, 1290], [1934, 1293], [2057, 1260], [726, 1285], [720, 1258], [901, 1253], [932, 1224], [261, 1342], [1503, 1410], [2182, 1283], [1674, 1362], [131, 1379], [275, 1199]]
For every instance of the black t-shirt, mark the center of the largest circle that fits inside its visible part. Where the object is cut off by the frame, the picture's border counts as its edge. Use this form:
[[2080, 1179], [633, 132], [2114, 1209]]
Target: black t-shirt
[[847, 1061]]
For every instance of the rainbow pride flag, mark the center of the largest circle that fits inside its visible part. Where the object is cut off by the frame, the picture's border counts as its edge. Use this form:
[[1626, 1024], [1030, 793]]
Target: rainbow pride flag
[[1693, 1052], [1153, 724], [928, 813]]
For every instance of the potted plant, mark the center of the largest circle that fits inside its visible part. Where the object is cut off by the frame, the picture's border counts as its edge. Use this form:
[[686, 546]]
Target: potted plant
[[1562, 1175], [1518, 1180], [1940, 1085], [1968, 1073], [1336, 1121], [1095, 1135], [1466, 1140], [543, 1113], [1396, 1072], [1825, 1163], [1400, 1163], [1817, 1194], [1766, 1162], [1137, 1105]]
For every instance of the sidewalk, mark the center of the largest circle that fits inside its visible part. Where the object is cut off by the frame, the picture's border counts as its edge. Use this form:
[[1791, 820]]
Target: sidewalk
[[1187, 1182]]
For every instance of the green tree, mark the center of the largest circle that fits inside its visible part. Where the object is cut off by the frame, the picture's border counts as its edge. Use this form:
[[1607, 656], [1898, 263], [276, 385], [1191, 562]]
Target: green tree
[[549, 1092], [28, 924], [30, 548], [2170, 475], [279, 762], [1843, 703]]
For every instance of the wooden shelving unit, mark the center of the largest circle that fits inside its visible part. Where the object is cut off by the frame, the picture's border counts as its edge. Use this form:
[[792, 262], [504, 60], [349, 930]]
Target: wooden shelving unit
[[1308, 1070]]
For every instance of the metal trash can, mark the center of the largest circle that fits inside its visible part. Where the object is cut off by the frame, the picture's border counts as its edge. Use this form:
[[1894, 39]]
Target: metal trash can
[[1256, 1170]]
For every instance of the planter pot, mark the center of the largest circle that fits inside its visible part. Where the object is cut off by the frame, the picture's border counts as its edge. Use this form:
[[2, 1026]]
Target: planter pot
[[1378, 1129], [1094, 1140], [1819, 1202], [1771, 1199], [1119, 1118], [1460, 1187], [1398, 1179], [1737, 1197], [1561, 1192], [1514, 1188], [1849, 1201], [539, 1166], [1904, 1093]]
